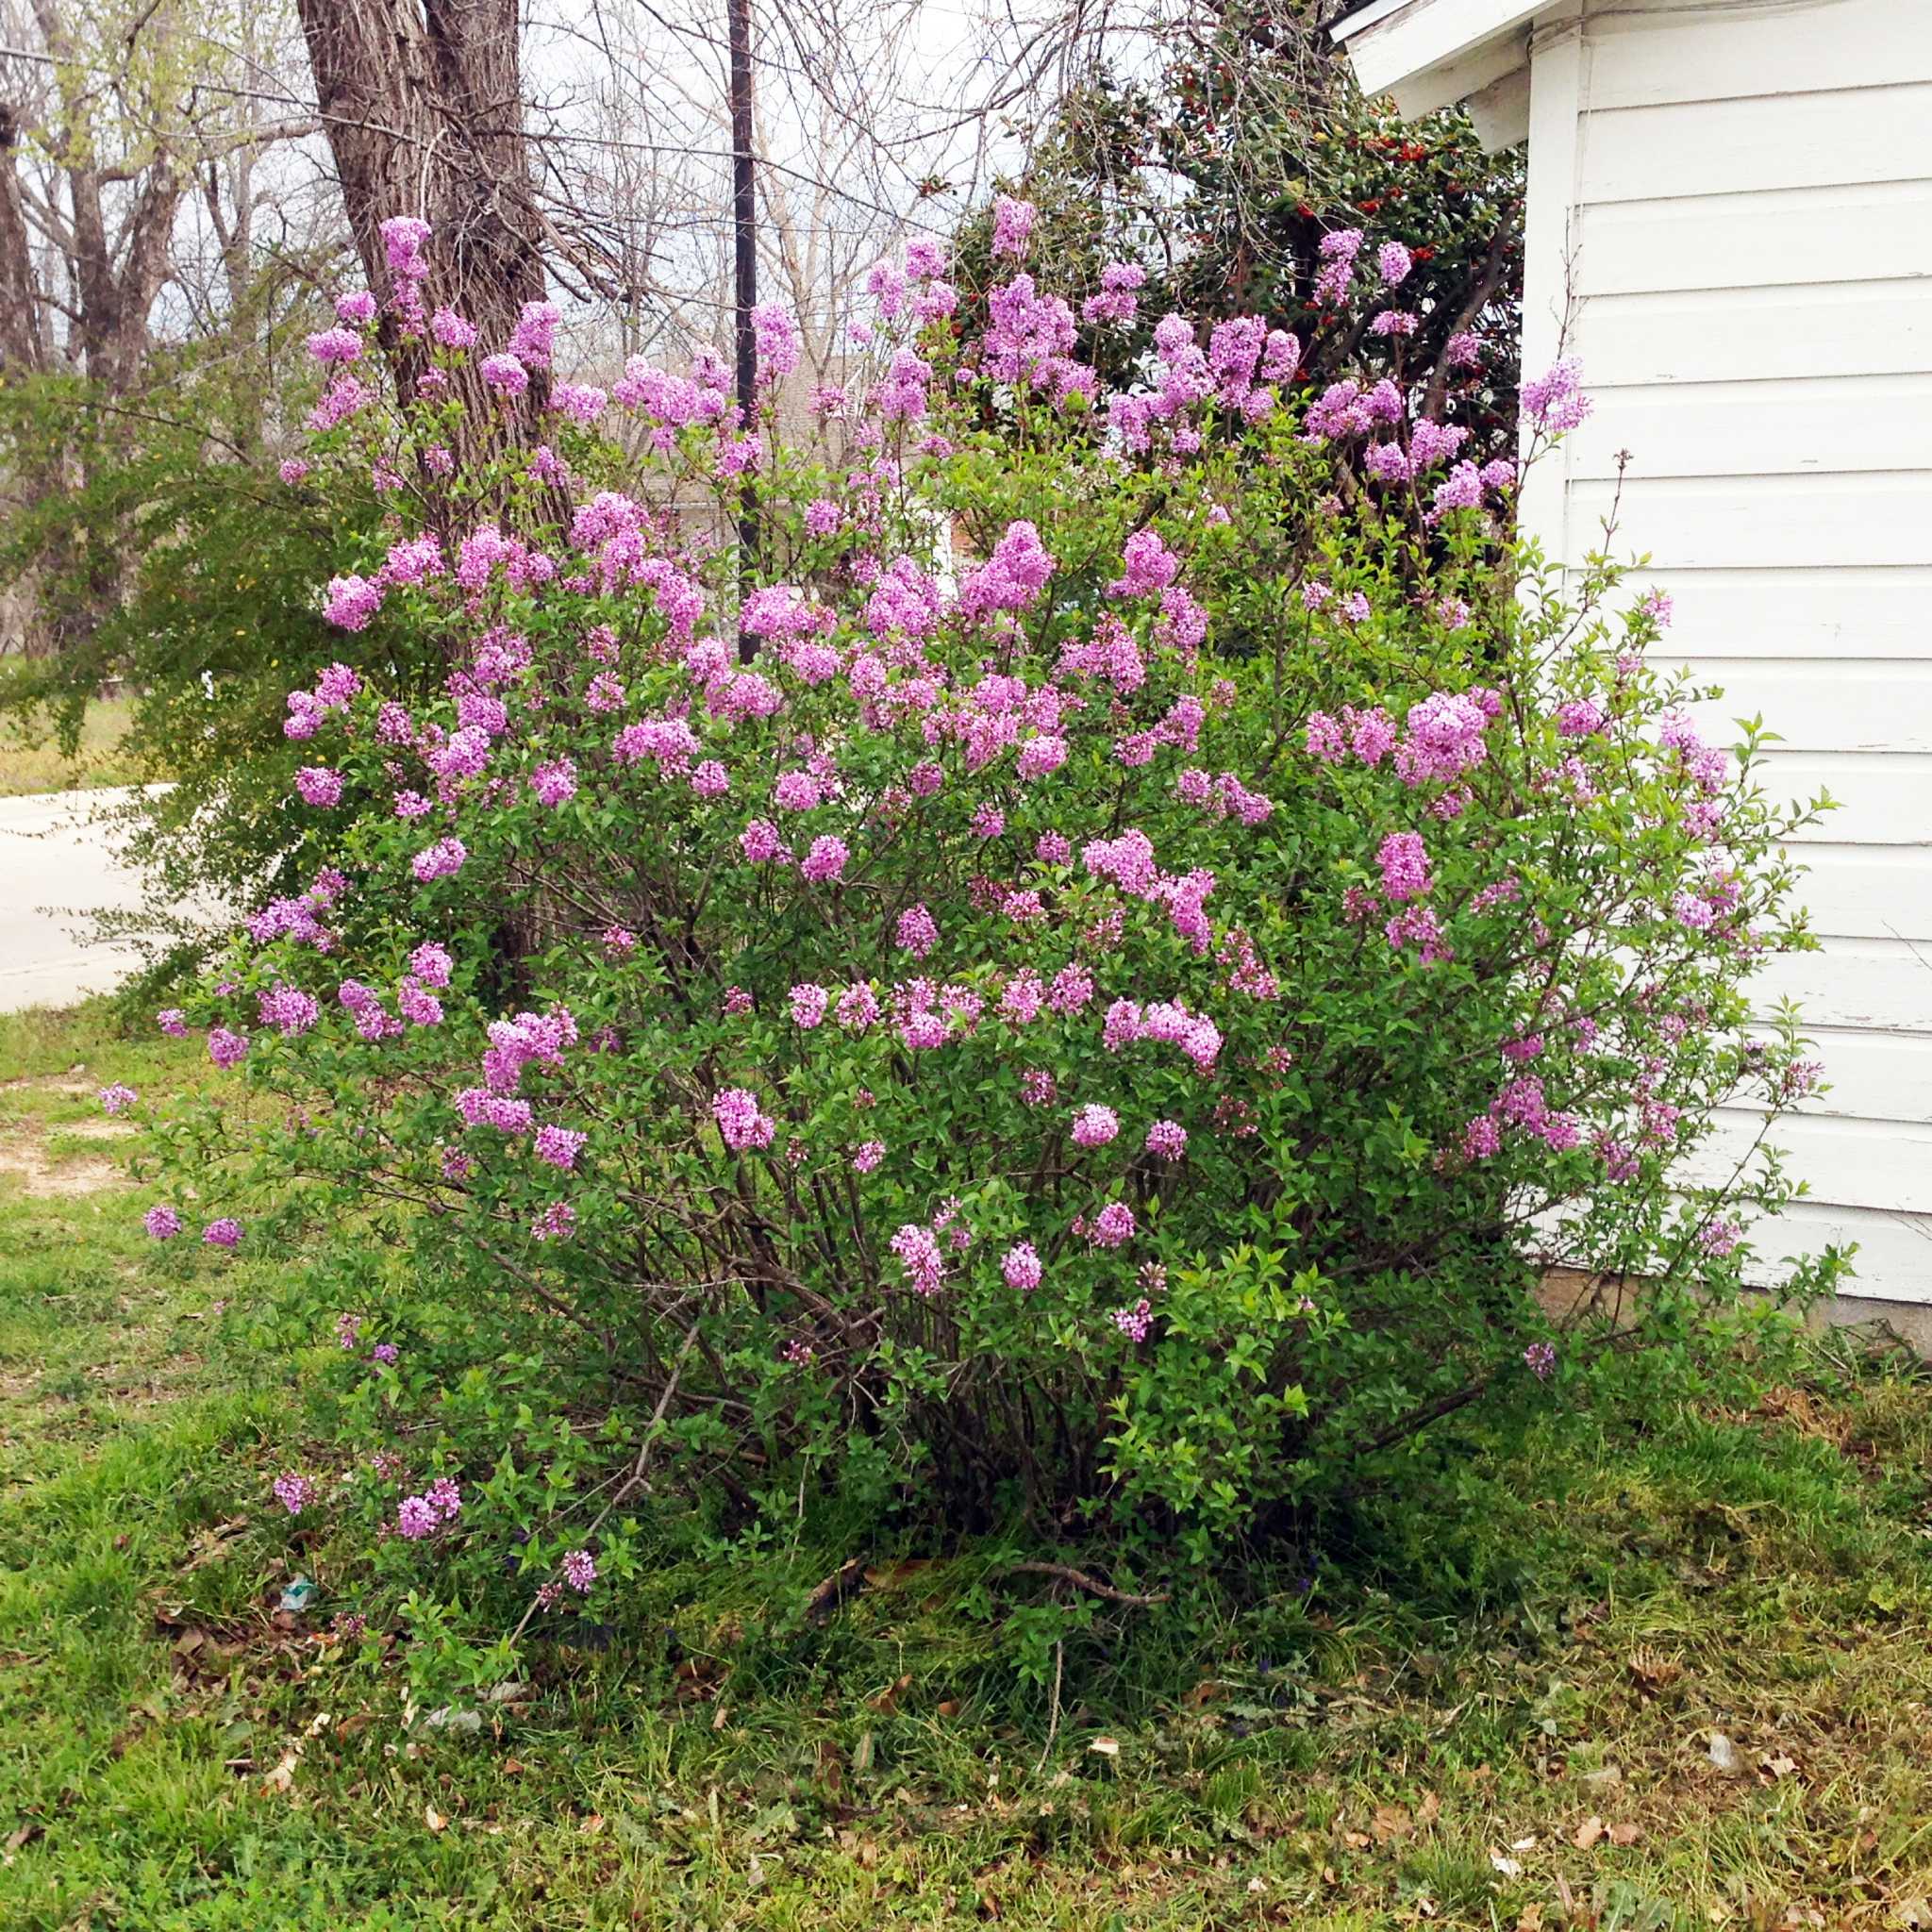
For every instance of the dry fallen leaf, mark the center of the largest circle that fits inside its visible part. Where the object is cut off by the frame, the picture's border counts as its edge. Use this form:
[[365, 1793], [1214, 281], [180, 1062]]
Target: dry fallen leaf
[[1530, 1919], [283, 1775], [1106, 1747], [1357, 1840], [1777, 1765], [1625, 1834], [1509, 1867], [897, 1575], [696, 1677], [210, 1545], [826, 1597], [1390, 1821], [1588, 1833], [1429, 1809], [887, 1702], [1651, 1670], [592, 1824]]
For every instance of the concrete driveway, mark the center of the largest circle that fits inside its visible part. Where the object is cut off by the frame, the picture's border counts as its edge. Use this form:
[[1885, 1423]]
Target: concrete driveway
[[56, 867]]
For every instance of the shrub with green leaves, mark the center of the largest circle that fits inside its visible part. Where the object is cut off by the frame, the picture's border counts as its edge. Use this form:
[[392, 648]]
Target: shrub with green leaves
[[173, 562], [1035, 1006]]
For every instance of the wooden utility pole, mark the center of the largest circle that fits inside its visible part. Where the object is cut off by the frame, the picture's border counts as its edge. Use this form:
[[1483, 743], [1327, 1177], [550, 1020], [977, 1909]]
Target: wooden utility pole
[[745, 260]]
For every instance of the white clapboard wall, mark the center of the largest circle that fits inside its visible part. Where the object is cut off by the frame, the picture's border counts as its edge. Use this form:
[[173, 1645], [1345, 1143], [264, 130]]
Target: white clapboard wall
[[1730, 225]]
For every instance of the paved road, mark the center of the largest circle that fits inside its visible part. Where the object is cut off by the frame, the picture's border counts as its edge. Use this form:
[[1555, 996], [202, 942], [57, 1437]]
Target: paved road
[[55, 867]]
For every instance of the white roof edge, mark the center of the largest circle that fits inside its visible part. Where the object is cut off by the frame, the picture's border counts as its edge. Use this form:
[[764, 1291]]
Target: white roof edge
[[1417, 49], [1345, 30]]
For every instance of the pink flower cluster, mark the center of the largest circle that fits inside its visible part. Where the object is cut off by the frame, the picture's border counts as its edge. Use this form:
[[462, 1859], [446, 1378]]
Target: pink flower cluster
[[294, 1492], [918, 1250], [418, 1517], [742, 1123]]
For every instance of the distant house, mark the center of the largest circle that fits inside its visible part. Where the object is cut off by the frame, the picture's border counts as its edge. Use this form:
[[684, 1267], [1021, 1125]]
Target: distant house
[[1730, 225]]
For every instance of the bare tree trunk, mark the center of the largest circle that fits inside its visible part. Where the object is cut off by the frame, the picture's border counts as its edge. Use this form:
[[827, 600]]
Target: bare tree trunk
[[423, 103], [117, 293], [24, 344]]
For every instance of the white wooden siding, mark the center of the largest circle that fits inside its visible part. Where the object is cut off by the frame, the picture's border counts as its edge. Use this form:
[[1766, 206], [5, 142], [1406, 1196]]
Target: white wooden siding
[[1782, 428], [1730, 223]]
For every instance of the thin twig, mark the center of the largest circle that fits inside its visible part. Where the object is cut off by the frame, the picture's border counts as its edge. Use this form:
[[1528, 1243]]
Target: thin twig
[[1092, 1585], [636, 1476], [1052, 1723]]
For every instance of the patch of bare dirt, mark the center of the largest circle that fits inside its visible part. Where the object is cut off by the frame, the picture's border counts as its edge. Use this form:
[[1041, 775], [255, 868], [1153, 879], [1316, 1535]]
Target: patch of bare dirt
[[98, 1130], [25, 1159]]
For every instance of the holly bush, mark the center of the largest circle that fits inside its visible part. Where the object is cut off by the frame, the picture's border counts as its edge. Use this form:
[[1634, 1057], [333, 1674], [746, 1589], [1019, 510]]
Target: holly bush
[[1217, 170]]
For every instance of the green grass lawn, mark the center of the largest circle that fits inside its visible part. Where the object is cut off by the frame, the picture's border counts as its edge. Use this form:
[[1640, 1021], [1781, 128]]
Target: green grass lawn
[[34, 766], [1501, 1706]]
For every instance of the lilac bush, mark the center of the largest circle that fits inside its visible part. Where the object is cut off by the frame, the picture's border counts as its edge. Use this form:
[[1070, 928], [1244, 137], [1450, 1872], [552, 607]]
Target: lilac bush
[[1061, 1000]]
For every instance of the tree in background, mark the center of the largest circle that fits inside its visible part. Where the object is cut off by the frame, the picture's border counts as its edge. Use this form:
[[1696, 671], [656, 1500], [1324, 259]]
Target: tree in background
[[423, 109], [110, 121], [113, 119], [161, 241]]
